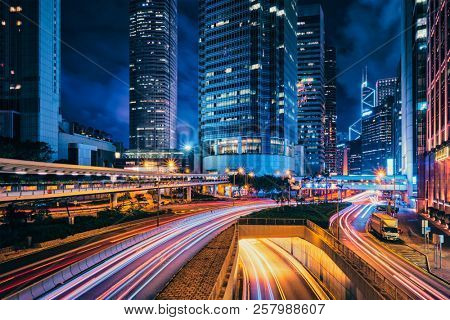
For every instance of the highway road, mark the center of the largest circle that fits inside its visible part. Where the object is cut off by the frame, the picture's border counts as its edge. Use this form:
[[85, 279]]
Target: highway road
[[21, 272], [142, 270], [270, 273], [417, 283]]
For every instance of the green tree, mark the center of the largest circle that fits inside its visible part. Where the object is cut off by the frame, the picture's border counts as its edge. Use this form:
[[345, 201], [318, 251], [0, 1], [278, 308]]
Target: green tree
[[27, 150]]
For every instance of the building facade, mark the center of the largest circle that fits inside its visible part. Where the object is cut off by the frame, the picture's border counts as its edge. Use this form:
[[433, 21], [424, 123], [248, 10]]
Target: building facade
[[85, 146], [437, 161], [355, 157], [377, 138], [385, 88], [311, 86], [330, 138], [342, 152], [414, 94], [30, 71], [153, 74], [247, 85]]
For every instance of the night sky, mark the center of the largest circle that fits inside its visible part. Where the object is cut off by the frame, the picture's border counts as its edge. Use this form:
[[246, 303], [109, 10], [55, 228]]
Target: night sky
[[95, 59]]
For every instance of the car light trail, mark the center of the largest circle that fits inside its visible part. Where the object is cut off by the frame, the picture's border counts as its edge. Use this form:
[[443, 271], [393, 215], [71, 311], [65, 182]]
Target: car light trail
[[139, 271], [273, 274], [417, 283]]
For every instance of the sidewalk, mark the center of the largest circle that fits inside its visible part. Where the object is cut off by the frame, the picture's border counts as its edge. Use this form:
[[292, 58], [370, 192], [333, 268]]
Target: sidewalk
[[411, 225]]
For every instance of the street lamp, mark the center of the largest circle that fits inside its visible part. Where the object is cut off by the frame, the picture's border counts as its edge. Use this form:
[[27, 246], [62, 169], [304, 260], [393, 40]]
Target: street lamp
[[187, 148]]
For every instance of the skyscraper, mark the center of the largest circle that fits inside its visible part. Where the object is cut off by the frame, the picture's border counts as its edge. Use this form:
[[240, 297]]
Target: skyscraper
[[368, 97], [247, 85], [153, 74], [437, 161], [342, 151], [330, 110], [413, 94], [311, 84], [377, 137], [385, 87], [30, 71], [354, 157]]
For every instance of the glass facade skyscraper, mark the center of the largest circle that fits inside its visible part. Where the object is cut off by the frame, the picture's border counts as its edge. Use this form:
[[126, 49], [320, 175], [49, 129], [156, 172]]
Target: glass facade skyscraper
[[153, 74], [247, 85], [414, 96], [330, 110], [378, 112], [377, 137], [311, 86], [30, 70]]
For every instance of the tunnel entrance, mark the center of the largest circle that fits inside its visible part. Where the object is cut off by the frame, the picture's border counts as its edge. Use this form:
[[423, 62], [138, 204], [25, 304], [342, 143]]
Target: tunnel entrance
[[291, 259]]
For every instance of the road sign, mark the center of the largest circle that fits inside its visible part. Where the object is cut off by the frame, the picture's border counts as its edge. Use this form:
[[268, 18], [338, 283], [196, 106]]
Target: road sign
[[438, 239], [426, 230]]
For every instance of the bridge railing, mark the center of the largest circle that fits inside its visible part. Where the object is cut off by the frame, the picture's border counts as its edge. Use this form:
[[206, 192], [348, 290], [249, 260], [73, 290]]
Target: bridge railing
[[272, 221], [48, 189], [387, 287]]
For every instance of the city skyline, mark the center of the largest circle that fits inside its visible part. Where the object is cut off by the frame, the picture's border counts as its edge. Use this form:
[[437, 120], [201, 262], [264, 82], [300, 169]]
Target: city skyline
[[239, 182], [94, 84]]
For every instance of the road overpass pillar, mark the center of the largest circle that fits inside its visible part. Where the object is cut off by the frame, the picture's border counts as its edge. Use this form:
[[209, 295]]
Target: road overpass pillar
[[113, 200], [158, 195], [189, 194]]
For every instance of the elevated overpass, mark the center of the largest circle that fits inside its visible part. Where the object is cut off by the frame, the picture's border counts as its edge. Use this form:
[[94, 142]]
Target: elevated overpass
[[107, 181], [356, 182]]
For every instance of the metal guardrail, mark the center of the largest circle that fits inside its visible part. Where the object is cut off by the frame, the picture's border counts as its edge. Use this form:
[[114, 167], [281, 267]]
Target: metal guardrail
[[386, 287], [272, 222]]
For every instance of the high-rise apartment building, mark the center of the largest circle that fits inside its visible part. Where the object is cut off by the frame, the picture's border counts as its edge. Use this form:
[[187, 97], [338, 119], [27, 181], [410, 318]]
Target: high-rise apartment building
[[330, 110], [311, 86], [30, 71], [153, 74], [414, 94], [437, 161], [247, 85]]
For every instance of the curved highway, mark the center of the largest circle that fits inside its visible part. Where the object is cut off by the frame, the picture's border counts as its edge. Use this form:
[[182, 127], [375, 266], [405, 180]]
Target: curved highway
[[142, 270], [270, 273], [416, 283]]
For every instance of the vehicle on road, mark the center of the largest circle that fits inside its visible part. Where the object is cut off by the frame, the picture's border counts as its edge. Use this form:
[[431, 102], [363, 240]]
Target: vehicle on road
[[385, 208], [384, 225]]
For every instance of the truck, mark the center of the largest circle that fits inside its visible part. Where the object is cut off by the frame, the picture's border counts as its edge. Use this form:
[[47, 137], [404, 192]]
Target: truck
[[384, 225], [386, 208]]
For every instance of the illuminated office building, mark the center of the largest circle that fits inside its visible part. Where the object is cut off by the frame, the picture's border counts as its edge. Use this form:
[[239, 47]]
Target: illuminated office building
[[153, 74], [311, 86], [247, 85], [414, 95], [330, 110], [437, 161], [30, 71]]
